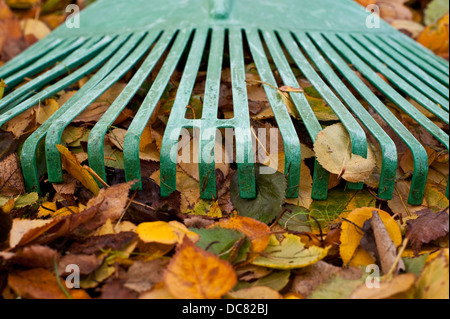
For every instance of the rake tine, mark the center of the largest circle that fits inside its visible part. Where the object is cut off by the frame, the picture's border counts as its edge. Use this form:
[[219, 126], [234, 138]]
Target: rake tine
[[97, 135], [29, 56], [78, 57], [357, 134], [424, 53], [118, 65], [389, 150], [46, 61], [291, 142], [133, 137], [30, 148], [174, 125], [431, 96], [321, 176], [207, 176], [366, 55], [416, 194], [422, 69], [244, 144]]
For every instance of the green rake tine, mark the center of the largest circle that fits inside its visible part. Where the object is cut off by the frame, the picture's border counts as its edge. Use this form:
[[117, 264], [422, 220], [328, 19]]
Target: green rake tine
[[29, 56], [389, 150], [133, 136], [424, 63], [118, 65], [29, 150], [432, 96], [357, 134], [176, 121], [424, 53], [97, 135], [80, 56], [365, 54], [390, 47], [416, 195], [321, 176], [207, 175], [291, 142], [46, 61], [244, 141]]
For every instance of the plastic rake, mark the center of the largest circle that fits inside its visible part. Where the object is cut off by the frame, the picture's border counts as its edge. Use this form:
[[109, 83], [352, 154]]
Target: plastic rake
[[325, 39]]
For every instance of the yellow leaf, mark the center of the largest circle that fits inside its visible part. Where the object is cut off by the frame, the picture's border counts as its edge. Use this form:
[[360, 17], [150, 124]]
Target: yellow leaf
[[351, 235], [9, 206], [195, 274], [180, 230], [434, 281], [157, 232], [35, 27], [43, 113], [388, 288], [74, 168], [2, 88], [333, 151], [214, 211], [258, 292], [258, 232]]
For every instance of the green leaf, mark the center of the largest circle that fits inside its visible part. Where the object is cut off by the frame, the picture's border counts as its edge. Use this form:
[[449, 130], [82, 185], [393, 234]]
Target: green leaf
[[415, 265], [296, 219], [435, 10], [220, 241], [271, 192], [113, 157], [276, 280], [336, 288], [21, 201], [291, 253]]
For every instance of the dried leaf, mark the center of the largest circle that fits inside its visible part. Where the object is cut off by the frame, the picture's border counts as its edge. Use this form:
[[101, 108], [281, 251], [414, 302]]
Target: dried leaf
[[333, 151], [143, 275], [39, 283], [74, 168], [195, 274], [11, 179], [255, 293], [427, 227], [388, 288]]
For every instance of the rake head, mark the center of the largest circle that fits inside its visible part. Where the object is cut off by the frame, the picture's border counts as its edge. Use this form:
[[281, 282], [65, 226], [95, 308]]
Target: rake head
[[325, 39]]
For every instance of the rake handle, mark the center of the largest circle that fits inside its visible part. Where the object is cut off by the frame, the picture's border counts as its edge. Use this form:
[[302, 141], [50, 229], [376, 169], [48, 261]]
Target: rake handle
[[219, 9]]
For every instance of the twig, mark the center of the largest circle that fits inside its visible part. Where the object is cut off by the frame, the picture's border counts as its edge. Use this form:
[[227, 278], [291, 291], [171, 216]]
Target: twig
[[397, 260]]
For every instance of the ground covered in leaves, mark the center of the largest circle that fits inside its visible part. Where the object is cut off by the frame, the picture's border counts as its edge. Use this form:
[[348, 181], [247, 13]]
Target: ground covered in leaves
[[127, 244]]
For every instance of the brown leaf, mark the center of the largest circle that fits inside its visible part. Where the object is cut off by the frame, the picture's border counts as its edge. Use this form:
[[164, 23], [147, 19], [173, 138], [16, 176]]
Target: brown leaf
[[114, 289], [143, 275], [428, 227], [40, 283], [94, 244], [86, 263], [112, 203], [35, 256], [11, 179]]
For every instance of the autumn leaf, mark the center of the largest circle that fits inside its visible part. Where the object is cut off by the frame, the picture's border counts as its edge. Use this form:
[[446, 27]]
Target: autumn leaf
[[195, 274], [427, 227], [290, 253], [389, 289], [434, 281], [165, 233], [74, 168], [436, 36], [39, 283], [258, 233]]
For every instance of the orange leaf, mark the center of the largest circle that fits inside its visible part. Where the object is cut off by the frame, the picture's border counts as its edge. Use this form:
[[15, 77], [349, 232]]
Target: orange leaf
[[195, 274], [436, 37], [40, 283], [74, 168], [258, 233]]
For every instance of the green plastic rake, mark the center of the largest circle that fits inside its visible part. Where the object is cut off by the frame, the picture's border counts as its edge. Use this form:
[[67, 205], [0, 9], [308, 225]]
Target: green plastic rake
[[322, 37]]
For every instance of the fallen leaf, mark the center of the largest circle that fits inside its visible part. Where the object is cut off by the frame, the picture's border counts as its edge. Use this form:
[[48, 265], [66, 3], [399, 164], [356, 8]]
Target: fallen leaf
[[290, 253], [258, 233], [40, 283], [86, 263], [436, 36], [195, 274], [276, 280], [255, 293], [74, 168], [24, 231], [11, 179], [34, 256], [35, 27], [427, 227], [434, 281], [165, 233], [351, 235], [435, 10], [144, 275], [333, 151], [388, 288]]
